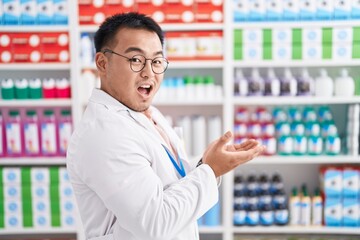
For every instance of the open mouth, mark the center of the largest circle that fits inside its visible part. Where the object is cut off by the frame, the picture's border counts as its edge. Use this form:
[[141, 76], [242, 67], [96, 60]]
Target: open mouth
[[145, 89]]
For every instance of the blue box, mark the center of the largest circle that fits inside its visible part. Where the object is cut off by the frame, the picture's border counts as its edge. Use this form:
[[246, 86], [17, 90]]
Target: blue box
[[45, 12], [28, 12], [351, 183], [351, 212], [11, 12], [60, 12], [333, 212], [241, 10]]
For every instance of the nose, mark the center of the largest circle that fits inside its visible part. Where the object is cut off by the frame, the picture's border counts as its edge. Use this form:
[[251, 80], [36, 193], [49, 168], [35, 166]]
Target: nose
[[147, 70]]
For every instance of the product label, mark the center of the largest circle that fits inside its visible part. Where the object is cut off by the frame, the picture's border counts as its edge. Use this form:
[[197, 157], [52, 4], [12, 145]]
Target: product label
[[31, 136], [48, 138], [239, 217], [13, 138], [65, 130], [1, 140]]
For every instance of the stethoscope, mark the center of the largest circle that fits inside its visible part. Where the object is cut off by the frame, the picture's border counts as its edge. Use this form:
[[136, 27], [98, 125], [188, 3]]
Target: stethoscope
[[179, 167]]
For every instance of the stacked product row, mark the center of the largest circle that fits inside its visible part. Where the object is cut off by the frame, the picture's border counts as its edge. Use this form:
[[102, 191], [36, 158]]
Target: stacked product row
[[33, 12], [295, 10], [189, 88], [291, 131], [34, 47], [288, 84], [199, 45], [34, 88], [94, 12], [36, 197], [260, 200], [306, 43], [340, 190], [34, 132]]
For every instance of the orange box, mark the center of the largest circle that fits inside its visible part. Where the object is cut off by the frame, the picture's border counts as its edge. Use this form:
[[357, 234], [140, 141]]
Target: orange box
[[209, 11], [6, 54], [55, 47], [26, 47]]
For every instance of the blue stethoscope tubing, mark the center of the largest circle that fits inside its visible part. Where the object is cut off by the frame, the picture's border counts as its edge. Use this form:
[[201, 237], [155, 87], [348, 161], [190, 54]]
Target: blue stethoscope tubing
[[179, 167]]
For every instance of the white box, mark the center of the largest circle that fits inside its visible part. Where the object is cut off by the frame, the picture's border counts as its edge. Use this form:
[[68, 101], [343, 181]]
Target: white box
[[241, 10], [333, 212], [290, 9], [332, 182], [342, 9], [66, 191], [311, 35], [12, 207], [257, 10], [282, 51], [342, 35], [67, 207], [281, 35], [12, 191], [273, 9], [68, 220], [181, 47], [40, 175], [41, 221], [350, 212], [312, 51], [11, 175], [63, 175], [40, 191], [325, 9], [307, 9], [210, 46], [351, 183], [13, 221], [252, 36], [252, 52], [342, 51]]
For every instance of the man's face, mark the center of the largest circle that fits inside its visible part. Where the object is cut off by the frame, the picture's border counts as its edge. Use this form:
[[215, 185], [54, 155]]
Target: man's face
[[133, 89]]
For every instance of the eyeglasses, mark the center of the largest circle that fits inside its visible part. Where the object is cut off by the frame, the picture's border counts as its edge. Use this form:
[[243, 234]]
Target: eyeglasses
[[138, 62]]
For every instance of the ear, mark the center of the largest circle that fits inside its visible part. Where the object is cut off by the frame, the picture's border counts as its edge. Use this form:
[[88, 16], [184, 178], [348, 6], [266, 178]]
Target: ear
[[101, 62]]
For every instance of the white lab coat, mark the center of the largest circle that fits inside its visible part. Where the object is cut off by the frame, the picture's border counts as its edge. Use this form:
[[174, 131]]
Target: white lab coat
[[124, 182]]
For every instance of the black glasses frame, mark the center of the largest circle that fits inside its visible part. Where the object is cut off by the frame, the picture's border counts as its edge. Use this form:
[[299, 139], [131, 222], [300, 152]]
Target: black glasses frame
[[146, 59]]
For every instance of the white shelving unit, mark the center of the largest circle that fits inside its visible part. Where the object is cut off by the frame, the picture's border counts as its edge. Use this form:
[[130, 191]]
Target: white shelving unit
[[225, 107]]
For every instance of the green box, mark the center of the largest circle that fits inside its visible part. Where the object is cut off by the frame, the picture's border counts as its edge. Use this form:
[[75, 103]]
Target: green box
[[356, 50], [327, 51], [267, 52], [238, 53], [238, 36], [296, 52], [327, 35], [267, 36], [296, 36], [356, 34]]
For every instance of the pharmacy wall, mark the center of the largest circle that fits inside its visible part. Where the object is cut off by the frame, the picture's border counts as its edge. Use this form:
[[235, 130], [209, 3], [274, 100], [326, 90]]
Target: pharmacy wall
[[283, 72]]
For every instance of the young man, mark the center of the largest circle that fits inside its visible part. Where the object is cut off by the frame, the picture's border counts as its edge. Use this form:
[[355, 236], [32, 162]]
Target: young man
[[129, 171]]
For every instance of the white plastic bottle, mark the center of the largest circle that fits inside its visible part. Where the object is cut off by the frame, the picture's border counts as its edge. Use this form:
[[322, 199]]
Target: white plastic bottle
[[344, 84], [256, 84], [305, 83], [324, 85], [241, 83], [87, 55], [272, 84]]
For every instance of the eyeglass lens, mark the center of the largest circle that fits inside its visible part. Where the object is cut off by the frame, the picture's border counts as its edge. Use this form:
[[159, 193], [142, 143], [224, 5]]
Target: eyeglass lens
[[158, 65]]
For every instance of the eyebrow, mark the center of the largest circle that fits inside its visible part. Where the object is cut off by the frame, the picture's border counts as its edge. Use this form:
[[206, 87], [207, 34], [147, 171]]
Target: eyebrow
[[135, 49]]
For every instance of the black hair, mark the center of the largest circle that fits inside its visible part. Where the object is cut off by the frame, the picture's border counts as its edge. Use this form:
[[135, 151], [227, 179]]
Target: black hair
[[108, 29]]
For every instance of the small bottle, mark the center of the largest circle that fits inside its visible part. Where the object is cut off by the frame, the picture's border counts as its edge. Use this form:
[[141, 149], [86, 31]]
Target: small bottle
[[272, 84], [239, 215], [281, 215], [48, 134], [2, 136], [305, 84], [295, 208], [252, 211], [317, 208], [31, 134], [266, 215], [324, 85], [7, 89], [64, 130], [87, 51], [288, 84], [305, 207], [14, 134], [344, 85], [256, 84], [35, 88], [276, 183], [241, 83]]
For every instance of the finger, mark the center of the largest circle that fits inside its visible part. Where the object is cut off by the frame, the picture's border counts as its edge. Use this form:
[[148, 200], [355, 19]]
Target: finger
[[245, 156], [251, 143], [224, 139]]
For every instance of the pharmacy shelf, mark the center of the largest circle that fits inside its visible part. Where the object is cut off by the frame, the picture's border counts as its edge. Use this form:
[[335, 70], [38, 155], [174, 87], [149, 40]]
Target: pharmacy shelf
[[215, 229], [25, 161], [36, 103], [176, 64], [34, 28], [297, 100], [296, 63], [34, 66], [298, 230], [169, 27], [306, 159], [298, 24], [190, 102]]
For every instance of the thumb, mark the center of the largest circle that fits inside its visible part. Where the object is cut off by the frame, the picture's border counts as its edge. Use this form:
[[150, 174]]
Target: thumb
[[224, 139]]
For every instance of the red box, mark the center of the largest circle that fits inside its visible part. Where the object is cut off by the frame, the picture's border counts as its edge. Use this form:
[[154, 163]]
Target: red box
[[118, 6], [26, 47], [55, 47], [6, 54], [209, 11], [90, 13], [177, 11]]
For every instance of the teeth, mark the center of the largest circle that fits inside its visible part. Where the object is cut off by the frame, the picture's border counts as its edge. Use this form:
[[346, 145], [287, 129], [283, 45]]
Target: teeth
[[145, 86]]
